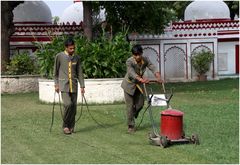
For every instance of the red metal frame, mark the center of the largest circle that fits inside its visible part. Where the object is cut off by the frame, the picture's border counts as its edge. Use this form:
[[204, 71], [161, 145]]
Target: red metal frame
[[237, 58]]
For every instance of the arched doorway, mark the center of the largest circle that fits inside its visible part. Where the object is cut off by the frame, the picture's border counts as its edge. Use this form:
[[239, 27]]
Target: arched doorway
[[175, 63], [153, 56], [197, 50]]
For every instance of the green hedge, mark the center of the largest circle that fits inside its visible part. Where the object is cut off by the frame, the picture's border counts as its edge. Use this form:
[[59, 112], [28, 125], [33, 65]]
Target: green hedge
[[104, 57]]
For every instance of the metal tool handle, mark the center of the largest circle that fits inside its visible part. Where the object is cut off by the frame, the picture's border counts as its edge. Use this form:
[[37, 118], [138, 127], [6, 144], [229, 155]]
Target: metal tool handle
[[145, 89], [164, 90], [163, 86], [154, 127]]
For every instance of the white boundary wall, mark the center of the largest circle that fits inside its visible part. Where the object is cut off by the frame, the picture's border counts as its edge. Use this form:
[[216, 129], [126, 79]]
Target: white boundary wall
[[98, 91], [19, 83]]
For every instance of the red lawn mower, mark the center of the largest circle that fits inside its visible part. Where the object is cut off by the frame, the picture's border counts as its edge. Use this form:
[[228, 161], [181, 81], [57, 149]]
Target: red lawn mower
[[171, 125]]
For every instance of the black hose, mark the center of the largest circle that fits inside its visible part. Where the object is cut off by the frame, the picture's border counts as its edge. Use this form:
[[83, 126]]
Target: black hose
[[90, 112], [143, 116], [54, 103], [83, 98], [53, 112], [80, 112]]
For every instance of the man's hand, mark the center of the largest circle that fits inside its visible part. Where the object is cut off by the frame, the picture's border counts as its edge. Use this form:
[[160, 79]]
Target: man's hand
[[143, 80], [159, 80], [158, 76], [82, 91], [57, 88]]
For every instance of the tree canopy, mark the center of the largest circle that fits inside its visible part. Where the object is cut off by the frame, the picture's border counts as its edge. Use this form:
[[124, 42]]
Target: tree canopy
[[148, 16], [139, 16]]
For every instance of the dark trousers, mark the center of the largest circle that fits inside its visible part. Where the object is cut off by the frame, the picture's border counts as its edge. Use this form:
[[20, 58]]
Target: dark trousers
[[134, 105], [70, 109]]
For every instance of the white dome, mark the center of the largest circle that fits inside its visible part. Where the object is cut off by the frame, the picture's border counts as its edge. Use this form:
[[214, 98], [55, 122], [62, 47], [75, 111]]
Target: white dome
[[199, 10], [32, 12], [73, 13]]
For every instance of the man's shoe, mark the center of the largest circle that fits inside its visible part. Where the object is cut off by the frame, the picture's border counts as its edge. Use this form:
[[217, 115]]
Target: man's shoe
[[131, 130], [66, 131]]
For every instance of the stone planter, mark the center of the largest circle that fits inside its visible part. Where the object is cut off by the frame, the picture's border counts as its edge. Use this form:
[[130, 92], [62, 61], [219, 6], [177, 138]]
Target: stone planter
[[19, 83], [99, 91]]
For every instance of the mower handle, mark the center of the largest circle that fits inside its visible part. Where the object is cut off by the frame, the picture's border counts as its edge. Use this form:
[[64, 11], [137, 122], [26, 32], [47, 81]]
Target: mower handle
[[156, 81], [153, 81], [163, 86]]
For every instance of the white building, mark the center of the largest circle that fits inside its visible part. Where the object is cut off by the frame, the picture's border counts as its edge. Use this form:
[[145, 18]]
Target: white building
[[207, 25], [33, 22]]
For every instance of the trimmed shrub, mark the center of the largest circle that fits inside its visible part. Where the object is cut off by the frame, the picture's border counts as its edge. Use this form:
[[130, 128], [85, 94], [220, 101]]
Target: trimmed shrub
[[104, 57], [22, 64]]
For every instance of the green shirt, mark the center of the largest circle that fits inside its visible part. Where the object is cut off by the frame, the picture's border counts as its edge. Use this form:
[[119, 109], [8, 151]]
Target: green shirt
[[67, 72]]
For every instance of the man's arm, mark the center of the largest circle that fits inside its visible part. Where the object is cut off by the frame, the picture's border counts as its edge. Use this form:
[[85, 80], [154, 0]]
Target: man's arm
[[132, 73], [130, 70], [154, 70]]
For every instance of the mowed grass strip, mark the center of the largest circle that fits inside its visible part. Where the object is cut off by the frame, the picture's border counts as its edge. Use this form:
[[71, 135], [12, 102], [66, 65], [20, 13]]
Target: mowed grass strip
[[211, 109]]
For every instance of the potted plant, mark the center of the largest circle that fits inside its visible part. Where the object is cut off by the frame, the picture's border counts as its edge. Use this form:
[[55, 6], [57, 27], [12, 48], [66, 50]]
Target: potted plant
[[201, 63]]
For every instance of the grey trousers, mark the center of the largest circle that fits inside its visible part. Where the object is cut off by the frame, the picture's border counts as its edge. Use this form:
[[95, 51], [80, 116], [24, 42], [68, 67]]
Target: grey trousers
[[70, 109], [134, 105]]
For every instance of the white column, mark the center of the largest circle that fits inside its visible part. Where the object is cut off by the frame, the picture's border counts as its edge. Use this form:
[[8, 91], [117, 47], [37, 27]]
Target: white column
[[215, 47]]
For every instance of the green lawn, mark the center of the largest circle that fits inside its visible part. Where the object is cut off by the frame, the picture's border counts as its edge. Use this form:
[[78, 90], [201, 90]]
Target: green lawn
[[211, 109]]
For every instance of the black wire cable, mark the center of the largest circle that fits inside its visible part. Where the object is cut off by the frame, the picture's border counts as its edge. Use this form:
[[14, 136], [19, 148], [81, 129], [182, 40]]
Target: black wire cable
[[149, 104], [83, 98], [80, 112], [60, 107], [143, 116], [52, 113], [54, 103], [90, 112]]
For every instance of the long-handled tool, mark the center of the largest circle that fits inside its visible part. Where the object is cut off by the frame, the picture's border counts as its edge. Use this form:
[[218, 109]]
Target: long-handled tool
[[149, 100], [154, 136], [171, 124]]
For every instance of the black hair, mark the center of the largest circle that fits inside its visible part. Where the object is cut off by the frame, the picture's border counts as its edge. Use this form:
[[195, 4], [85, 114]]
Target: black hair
[[137, 49], [69, 42]]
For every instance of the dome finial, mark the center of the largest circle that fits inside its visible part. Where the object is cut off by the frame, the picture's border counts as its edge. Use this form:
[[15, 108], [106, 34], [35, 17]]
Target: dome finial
[[236, 17]]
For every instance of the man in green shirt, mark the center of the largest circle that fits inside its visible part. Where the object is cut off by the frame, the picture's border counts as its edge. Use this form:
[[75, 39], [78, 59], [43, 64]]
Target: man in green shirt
[[133, 84], [67, 74]]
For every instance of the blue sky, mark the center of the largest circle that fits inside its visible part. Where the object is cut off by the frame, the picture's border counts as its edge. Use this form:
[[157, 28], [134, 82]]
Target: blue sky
[[57, 7]]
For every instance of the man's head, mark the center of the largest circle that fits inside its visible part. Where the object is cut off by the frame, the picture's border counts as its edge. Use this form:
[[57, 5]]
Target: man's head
[[69, 46], [137, 52]]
